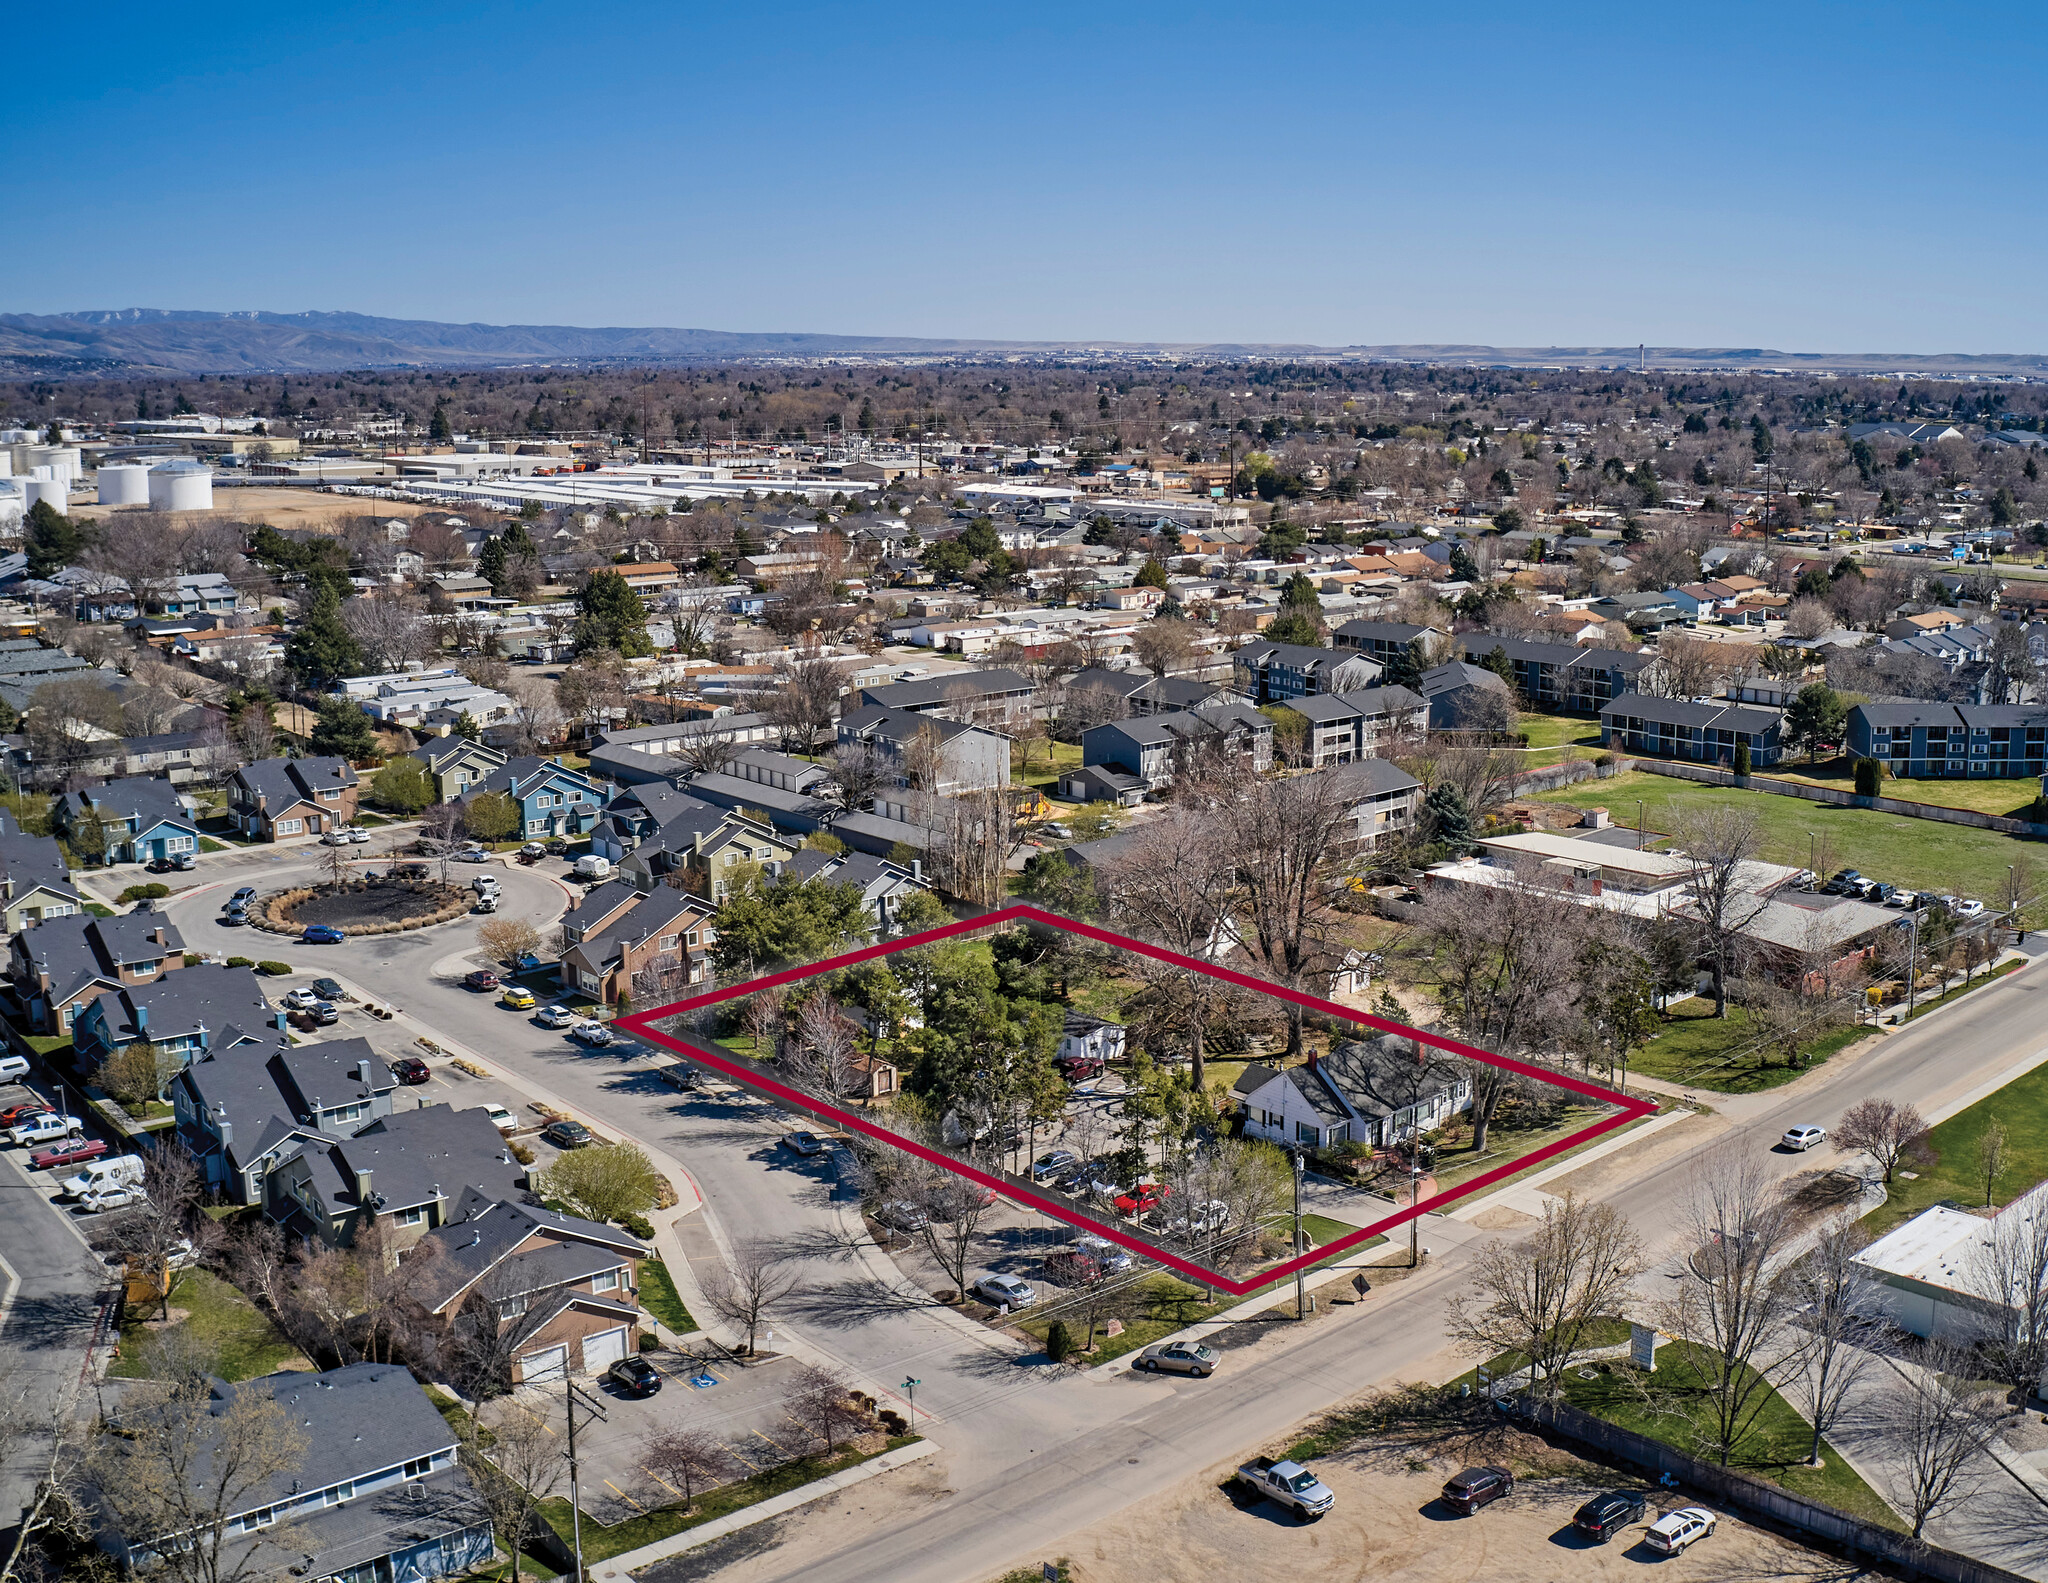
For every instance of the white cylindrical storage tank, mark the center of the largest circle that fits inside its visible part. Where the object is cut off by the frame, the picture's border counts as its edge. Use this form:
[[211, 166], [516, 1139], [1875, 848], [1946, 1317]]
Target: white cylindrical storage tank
[[54, 490], [12, 503], [63, 460], [181, 486], [124, 484]]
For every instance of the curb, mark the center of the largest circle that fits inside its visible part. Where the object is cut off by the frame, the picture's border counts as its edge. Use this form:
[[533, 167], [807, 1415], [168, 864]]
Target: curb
[[622, 1566]]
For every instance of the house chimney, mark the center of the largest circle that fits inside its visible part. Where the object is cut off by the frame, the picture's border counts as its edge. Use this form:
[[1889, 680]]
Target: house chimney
[[917, 869], [363, 1073], [363, 1186], [142, 1020]]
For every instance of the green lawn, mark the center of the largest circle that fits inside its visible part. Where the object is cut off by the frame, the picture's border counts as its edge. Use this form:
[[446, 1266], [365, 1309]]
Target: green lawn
[[1922, 1007], [2021, 1107], [208, 844], [1169, 1304], [601, 1543], [244, 1342], [1505, 1142], [1697, 1048], [2007, 798], [1675, 1410], [1065, 756], [659, 1297], [1548, 734], [1918, 853]]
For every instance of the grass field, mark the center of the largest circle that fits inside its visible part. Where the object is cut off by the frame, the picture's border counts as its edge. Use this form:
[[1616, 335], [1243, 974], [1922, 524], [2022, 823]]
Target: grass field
[[1917, 853], [1675, 1412], [243, 1341], [1549, 734], [2021, 1107], [2009, 799], [1698, 1048], [1065, 756], [659, 1297]]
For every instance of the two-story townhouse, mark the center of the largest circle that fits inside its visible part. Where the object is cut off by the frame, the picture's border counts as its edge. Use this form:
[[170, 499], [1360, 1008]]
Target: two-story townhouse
[[378, 1492], [884, 886], [239, 1108], [1966, 741], [1152, 749], [178, 756], [1391, 643], [996, 700], [64, 964], [1087, 1038], [183, 1014], [1358, 724], [1141, 693], [622, 936], [1377, 1092], [640, 813], [1465, 697], [1562, 675], [1681, 729], [140, 819], [404, 1172], [711, 863], [553, 800], [1383, 801], [34, 883], [455, 765], [274, 799], [562, 1291], [791, 792], [928, 751], [1268, 673]]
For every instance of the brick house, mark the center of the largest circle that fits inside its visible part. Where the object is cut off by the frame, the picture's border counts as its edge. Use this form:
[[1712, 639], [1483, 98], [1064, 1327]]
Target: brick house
[[64, 964], [278, 798], [621, 931]]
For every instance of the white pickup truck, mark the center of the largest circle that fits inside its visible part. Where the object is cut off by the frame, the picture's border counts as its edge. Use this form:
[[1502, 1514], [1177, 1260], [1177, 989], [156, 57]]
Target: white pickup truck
[[45, 1128], [1289, 1483]]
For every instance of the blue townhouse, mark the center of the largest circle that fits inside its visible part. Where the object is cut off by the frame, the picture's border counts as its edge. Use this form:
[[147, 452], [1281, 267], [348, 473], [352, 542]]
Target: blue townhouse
[[186, 1014], [553, 799], [141, 819], [1922, 739]]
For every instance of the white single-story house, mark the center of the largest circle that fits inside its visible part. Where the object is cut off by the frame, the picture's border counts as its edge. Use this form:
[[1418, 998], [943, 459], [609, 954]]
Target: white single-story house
[[1090, 1038], [1373, 1091]]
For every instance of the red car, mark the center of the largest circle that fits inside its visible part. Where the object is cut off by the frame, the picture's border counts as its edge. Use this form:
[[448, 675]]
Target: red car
[[482, 979], [1076, 1068], [21, 1112], [1142, 1199], [410, 1069], [75, 1152]]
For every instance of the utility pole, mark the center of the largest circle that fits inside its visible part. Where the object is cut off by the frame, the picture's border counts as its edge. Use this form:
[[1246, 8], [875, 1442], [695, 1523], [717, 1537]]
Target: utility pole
[[1300, 1301], [1414, 1180], [569, 1395]]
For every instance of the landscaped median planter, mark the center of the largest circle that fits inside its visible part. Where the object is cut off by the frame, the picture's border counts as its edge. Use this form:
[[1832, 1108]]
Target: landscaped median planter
[[382, 906]]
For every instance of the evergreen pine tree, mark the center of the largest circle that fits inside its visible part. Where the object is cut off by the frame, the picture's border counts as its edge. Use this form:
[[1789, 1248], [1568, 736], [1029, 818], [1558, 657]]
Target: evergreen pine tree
[[52, 540], [323, 650], [343, 731], [490, 565]]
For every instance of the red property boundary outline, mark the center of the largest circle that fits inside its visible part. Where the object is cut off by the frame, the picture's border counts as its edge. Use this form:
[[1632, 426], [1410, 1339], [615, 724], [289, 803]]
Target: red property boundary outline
[[1627, 1108]]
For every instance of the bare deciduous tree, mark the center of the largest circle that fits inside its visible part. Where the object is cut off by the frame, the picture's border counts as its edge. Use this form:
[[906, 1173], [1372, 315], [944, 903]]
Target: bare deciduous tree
[[1935, 1427], [747, 1293], [953, 1209], [1883, 1129], [856, 771], [521, 1468], [1538, 1295], [1844, 1326], [1720, 846], [823, 1404], [686, 1460], [2009, 1269]]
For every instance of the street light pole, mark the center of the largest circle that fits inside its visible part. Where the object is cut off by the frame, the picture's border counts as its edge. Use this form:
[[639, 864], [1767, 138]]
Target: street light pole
[[1300, 1301]]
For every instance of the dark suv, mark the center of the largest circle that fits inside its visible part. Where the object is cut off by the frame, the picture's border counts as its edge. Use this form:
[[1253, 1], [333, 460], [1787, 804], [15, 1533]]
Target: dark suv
[[1475, 1487], [1606, 1515]]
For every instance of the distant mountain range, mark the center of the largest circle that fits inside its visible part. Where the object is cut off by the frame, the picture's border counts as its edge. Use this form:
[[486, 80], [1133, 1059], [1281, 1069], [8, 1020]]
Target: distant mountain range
[[145, 342]]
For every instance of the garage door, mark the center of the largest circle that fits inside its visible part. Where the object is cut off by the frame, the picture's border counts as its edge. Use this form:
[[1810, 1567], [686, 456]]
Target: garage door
[[604, 1349], [549, 1363]]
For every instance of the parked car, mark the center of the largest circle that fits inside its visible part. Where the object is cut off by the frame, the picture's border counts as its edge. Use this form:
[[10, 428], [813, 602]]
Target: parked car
[[1289, 1483], [564, 1133], [329, 989], [359, 836], [555, 1017], [594, 1034], [322, 934], [1800, 1139], [518, 998], [1070, 1267], [1842, 884], [1477, 1487], [634, 1376], [14, 1115], [1674, 1531], [411, 1070], [899, 1214], [1005, 1289], [679, 1076], [1606, 1515], [556, 847], [485, 884], [473, 854], [1142, 1199], [1050, 1164], [1076, 1068], [1968, 909], [115, 1195], [1906, 899], [1092, 1179], [234, 915], [73, 1151], [805, 1144], [13, 1068], [183, 863], [1199, 1220], [486, 902], [1178, 1357], [335, 838], [1103, 1252], [301, 1000], [321, 1014], [501, 1118], [244, 896], [481, 980]]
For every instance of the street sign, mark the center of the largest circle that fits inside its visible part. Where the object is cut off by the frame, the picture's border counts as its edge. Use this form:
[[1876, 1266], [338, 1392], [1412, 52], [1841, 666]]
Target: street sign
[[1959, 553]]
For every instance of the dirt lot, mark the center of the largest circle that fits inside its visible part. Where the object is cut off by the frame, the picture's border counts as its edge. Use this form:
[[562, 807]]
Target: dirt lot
[[284, 508], [1388, 1524]]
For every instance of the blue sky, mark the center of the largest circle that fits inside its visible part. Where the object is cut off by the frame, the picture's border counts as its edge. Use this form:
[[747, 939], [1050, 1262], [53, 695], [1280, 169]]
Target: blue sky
[[1797, 176]]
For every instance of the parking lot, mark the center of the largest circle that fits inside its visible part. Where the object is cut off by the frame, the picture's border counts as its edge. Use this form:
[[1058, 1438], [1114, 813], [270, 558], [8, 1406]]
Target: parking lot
[[738, 1405]]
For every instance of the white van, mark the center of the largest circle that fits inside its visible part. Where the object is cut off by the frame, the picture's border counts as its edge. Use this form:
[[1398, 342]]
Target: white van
[[13, 1068], [123, 1170], [593, 867]]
